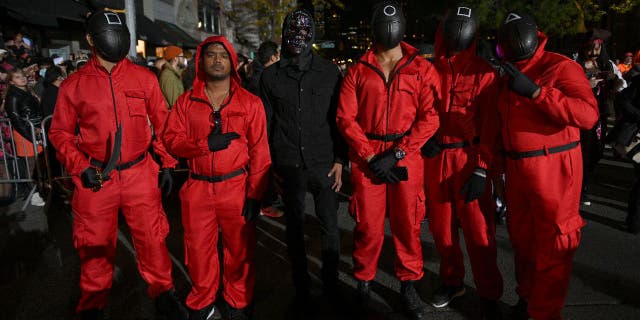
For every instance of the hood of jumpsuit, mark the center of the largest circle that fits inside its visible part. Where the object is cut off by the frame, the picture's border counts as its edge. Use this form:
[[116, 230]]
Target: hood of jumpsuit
[[200, 81]]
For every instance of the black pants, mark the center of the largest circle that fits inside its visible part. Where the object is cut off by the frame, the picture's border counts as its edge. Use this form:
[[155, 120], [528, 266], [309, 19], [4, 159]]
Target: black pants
[[296, 183]]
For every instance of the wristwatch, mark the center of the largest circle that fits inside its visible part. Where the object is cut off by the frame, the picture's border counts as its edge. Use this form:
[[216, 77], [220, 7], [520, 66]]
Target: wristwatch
[[399, 154]]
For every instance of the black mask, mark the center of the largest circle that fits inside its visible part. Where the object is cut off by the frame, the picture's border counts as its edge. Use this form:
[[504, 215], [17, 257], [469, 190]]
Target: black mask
[[459, 29], [298, 33], [388, 24], [109, 34], [518, 37]]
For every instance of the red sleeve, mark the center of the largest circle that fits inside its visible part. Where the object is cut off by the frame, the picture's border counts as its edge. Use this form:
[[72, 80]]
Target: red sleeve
[[487, 107], [63, 134], [490, 149], [175, 133], [158, 114], [346, 117], [258, 146], [570, 100], [427, 122]]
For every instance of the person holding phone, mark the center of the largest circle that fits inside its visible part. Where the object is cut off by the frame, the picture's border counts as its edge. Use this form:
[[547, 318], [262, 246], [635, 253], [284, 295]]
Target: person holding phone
[[386, 112]]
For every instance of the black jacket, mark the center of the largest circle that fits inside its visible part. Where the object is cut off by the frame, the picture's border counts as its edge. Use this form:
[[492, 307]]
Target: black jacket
[[301, 113], [22, 105], [49, 97]]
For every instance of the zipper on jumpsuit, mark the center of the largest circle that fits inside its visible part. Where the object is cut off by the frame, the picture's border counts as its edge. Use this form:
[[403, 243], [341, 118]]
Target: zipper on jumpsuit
[[115, 113]]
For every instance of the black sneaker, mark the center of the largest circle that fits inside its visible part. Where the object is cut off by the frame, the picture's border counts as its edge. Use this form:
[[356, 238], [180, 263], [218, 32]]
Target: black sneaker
[[168, 304], [415, 307], [490, 309], [363, 295], [585, 200], [238, 314], [209, 312], [519, 310], [91, 314], [445, 294]]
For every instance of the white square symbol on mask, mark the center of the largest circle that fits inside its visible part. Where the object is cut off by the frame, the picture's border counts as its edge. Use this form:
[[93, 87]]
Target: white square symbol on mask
[[112, 18], [464, 11]]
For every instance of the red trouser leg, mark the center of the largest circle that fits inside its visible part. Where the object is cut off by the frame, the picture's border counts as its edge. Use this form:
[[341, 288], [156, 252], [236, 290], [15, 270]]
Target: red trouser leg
[[95, 230], [544, 226], [142, 209], [405, 204], [445, 176], [205, 207]]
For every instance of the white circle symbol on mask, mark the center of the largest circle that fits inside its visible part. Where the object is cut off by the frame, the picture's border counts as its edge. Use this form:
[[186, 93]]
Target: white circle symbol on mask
[[389, 11]]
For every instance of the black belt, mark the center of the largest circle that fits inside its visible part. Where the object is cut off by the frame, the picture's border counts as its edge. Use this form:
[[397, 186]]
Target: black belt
[[542, 152], [123, 166], [386, 137], [218, 178], [461, 144]]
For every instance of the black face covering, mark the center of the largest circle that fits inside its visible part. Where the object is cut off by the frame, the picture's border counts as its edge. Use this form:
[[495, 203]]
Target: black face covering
[[298, 33], [459, 29], [518, 37], [388, 24], [109, 34]]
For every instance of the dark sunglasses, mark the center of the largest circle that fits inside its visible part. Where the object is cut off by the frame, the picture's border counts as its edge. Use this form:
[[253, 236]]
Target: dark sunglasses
[[216, 121]]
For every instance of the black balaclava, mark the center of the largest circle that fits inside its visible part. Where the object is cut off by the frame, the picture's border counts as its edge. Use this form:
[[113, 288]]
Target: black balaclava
[[388, 24], [459, 29], [518, 37], [109, 34], [296, 46]]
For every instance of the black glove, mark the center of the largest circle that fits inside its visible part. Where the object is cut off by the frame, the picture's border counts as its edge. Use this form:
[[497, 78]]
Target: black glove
[[382, 163], [219, 141], [251, 209], [519, 82], [89, 178], [165, 181], [474, 187], [431, 148]]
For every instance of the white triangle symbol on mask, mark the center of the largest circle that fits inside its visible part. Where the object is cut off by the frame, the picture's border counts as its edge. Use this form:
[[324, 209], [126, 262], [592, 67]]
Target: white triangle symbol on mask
[[512, 17]]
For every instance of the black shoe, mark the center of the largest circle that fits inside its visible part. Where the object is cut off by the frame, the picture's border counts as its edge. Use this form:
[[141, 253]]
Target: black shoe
[[585, 200], [490, 309], [363, 295], [519, 310], [238, 314], [168, 304], [445, 294], [415, 307], [209, 312], [91, 314]]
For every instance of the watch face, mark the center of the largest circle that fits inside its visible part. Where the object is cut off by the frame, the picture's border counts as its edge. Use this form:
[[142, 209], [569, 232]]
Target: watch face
[[399, 154]]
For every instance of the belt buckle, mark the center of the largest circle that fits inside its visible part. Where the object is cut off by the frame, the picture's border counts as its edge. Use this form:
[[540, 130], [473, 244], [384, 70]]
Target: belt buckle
[[545, 150]]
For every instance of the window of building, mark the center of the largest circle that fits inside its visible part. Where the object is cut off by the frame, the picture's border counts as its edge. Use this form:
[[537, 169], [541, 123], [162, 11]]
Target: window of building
[[209, 16]]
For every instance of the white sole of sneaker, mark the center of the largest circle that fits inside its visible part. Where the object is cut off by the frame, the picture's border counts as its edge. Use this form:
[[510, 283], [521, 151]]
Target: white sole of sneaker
[[458, 294]]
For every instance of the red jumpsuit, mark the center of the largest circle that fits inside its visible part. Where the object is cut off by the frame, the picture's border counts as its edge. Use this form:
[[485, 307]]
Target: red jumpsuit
[[543, 191], [207, 206], [468, 87], [368, 110], [89, 104]]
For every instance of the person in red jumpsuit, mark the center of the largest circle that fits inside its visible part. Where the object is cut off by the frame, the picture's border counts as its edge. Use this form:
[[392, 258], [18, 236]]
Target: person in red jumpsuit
[[386, 113], [456, 168], [108, 93], [220, 128], [543, 102]]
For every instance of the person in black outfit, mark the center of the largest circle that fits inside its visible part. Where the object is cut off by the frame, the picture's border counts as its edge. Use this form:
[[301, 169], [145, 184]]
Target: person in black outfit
[[300, 96], [53, 77], [628, 102], [267, 55]]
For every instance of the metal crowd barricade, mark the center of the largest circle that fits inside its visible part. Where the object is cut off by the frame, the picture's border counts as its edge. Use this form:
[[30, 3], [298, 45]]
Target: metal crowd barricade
[[12, 162]]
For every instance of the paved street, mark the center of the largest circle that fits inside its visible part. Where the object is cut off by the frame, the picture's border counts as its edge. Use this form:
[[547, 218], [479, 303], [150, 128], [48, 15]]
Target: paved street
[[39, 271]]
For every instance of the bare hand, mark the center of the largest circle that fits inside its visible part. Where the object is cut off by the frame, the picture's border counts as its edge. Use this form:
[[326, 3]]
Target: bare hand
[[336, 172]]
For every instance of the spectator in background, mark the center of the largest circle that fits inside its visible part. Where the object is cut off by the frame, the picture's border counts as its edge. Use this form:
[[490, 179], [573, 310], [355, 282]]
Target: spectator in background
[[21, 104], [53, 77], [170, 82], [243, 63], [627, 63], [189, 74], [3, 80], [268, 54], [21, 50], [156, 66]]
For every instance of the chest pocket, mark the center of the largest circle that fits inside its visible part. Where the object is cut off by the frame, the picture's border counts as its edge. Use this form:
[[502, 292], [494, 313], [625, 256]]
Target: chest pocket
[[284, 96], [137, 106], [463, 93], [322, 99], [236, 122]]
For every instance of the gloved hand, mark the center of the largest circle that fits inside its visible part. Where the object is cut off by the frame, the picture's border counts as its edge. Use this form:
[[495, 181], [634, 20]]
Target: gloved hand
[[519, 82], [251, 209], [474, 187], [165, 181], [382, 163], [221, 141], [431, 148], [89, 178]]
